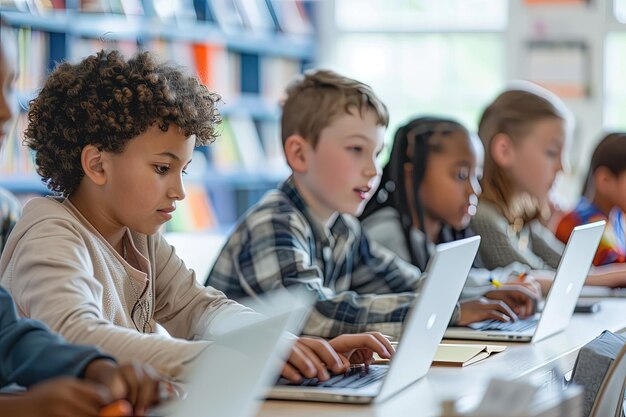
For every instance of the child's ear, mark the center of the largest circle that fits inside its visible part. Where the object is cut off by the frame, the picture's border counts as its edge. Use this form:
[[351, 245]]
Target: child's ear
[[296, 149], [91, 159], [502, 150], [603, 180]]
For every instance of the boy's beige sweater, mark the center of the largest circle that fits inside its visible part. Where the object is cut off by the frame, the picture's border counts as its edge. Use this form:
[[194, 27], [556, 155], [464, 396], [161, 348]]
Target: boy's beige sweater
[[60, 270]]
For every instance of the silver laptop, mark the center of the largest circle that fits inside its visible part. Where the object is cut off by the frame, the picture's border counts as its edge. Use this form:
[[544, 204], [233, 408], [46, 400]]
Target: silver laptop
[[231, 375], [423, 329], [592, 291], [560, 302]]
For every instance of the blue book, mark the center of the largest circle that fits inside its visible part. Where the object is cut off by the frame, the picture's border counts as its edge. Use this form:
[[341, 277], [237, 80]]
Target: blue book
[[58, 49], [250, 74]]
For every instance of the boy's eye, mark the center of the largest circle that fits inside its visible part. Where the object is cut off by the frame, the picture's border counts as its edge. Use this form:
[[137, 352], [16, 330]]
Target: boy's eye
[[551, 153], [355, 149], [161, 169]]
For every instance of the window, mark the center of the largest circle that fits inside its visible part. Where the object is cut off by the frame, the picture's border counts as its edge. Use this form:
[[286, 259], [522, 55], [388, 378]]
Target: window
[[420, 15], [424, 57], [619, 9], [615, 81]]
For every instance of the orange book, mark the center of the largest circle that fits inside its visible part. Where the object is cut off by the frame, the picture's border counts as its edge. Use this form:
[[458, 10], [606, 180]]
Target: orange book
[[206, 58], [202, 211], [195, 213]]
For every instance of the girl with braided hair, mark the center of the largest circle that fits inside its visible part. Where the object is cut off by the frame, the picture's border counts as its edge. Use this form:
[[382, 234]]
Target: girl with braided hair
[[427, 195]]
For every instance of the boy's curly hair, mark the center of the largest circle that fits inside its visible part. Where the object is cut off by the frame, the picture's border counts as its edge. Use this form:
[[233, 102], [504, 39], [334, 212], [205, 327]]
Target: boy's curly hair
[[314, 100], [105, 101]]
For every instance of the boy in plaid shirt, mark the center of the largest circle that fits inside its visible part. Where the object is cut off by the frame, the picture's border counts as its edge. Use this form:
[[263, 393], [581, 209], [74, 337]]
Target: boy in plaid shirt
[[304, 234]]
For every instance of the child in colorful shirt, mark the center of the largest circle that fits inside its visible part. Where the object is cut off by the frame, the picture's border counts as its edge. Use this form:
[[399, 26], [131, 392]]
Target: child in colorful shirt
[[604, 199]]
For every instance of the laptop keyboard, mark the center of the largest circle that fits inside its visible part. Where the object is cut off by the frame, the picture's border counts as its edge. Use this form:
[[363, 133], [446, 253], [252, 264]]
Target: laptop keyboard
[[358, 376], [513, 326]]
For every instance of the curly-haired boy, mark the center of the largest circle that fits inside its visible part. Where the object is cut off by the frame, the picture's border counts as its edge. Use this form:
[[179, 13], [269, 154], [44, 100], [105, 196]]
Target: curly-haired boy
[[34, 357], [114, 137]]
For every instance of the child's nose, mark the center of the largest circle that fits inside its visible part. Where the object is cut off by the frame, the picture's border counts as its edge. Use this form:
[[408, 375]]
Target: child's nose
[[559, 166], [177, 190], [372, 169]]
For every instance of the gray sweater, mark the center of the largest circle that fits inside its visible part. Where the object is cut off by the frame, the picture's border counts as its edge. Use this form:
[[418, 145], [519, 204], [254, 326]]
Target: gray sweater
[[534, 245], [385, 228]]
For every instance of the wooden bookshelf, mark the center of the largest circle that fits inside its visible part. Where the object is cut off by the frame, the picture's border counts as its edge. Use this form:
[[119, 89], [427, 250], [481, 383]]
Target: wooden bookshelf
[[245, 50]]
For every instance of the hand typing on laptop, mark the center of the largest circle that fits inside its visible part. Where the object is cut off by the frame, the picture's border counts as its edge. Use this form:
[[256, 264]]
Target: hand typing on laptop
[[508, 302], [360, 348], [522, 299], [356, 353], [481, 308], [315, 357]]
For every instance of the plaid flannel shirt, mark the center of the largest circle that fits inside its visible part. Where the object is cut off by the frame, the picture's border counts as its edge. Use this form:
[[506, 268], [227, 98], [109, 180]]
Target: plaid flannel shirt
[[359, 286]]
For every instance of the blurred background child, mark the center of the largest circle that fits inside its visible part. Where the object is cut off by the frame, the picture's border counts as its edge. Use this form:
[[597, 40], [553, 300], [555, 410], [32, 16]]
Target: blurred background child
[[525, 132], [604, 198]]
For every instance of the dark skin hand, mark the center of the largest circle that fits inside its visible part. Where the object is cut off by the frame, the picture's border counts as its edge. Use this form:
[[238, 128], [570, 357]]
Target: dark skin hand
[[509, 302], [60, 397], [104, 382], [136, 383]]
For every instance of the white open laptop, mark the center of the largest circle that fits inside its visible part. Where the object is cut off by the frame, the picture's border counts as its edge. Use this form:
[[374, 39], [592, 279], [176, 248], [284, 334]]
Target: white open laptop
[[592, 291], [232, 374], [560, 302], [423, 329]]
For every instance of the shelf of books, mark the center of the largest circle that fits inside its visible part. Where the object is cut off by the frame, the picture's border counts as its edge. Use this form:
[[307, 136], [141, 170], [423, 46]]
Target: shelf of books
[[245, 50]]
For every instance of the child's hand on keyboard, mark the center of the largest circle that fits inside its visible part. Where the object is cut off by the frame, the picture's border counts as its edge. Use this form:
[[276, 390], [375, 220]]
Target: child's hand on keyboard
[[519, 298], [360, 348], [313, 357], [480, 309]]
